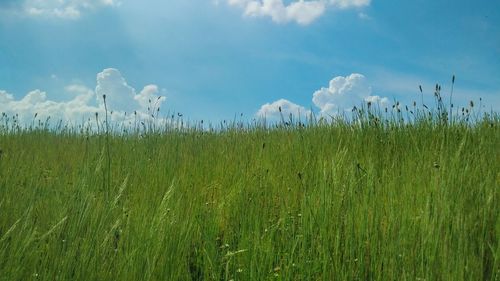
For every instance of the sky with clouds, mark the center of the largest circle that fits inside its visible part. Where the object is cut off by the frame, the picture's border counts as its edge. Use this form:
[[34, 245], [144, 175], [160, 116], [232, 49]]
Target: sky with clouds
[[217, 59]]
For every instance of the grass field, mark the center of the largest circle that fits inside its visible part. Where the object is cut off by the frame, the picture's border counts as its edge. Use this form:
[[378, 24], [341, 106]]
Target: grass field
[[352, 200]]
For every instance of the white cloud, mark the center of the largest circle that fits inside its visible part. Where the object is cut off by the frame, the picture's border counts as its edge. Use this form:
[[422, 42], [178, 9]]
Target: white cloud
[[148, 98], [36, 102], [342, 94], [120, 98], [111, 83], [346, 4], [64, 9], [271, 111], [301, 11]]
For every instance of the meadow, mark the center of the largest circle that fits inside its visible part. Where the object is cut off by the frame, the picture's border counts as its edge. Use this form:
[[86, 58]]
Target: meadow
[[403, 195]]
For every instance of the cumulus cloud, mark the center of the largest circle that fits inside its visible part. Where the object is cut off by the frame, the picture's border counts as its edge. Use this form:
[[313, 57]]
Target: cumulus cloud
[[342, 94], [65, 9], [149, 97], [36, 103], [120, 98], [301, 11], [282, 108], [111, 83]]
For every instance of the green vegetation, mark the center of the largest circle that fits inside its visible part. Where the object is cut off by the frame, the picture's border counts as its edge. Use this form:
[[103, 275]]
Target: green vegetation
[[374, 198]]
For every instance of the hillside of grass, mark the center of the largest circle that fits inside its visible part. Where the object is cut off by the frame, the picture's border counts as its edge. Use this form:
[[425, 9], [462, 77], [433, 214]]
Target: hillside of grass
[[324, 201]]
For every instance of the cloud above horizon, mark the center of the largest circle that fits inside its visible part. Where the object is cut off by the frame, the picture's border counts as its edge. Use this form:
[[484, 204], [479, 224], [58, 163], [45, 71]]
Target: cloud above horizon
[[302, 12], [121, 99], [342, 94], [282, 109], [70, 9]]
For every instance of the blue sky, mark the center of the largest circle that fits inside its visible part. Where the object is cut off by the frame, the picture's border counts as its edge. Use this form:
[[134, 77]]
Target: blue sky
[[213, 60]]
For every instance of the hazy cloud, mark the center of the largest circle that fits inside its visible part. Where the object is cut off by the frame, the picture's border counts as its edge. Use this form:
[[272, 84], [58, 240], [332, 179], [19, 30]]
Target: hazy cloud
[[69, 9], [347, 4], [301, 11]]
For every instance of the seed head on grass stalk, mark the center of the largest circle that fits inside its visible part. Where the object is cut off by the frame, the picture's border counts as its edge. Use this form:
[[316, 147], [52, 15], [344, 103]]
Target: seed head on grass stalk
[[107, 176], [451, 96]]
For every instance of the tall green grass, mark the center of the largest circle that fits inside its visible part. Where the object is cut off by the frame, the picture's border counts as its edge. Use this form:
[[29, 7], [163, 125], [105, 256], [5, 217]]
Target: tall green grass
[[377, 196]]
